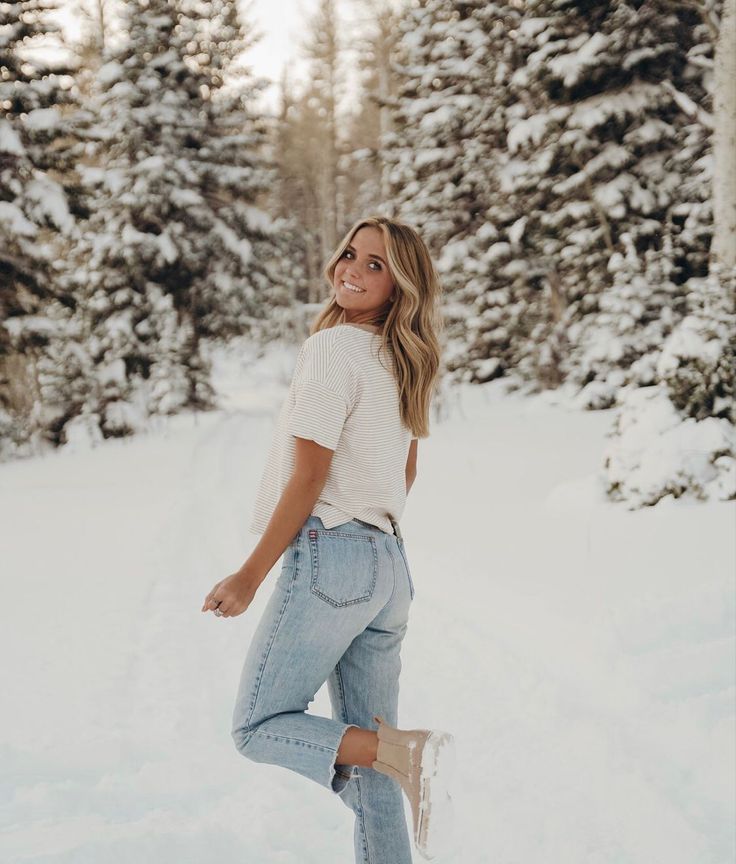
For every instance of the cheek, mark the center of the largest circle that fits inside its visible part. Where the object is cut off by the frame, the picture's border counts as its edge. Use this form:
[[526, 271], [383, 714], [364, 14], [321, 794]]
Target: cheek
[[381, 282]]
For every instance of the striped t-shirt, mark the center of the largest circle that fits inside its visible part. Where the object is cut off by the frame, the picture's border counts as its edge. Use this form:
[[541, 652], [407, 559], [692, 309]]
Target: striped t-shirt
[[342, 397]]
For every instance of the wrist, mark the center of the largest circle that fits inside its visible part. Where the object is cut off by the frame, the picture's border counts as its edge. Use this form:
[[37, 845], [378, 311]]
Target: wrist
[[251, 573]]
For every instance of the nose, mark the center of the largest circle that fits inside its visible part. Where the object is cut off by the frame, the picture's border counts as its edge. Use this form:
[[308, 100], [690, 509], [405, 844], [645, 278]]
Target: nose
[[350, 274]]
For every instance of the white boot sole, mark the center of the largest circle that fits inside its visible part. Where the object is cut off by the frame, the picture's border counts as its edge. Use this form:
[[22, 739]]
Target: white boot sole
[[435, 828]]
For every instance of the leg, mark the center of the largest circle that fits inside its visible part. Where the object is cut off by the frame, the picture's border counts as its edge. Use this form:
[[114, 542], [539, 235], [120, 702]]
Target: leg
[[299, 640], [358, 747], [364, 683]]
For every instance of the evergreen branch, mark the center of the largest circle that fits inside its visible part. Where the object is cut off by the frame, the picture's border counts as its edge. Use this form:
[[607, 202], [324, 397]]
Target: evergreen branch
[[600, 212], [687, 106]]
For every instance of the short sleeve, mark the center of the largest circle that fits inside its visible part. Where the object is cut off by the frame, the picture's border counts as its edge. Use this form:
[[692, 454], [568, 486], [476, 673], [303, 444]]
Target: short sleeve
[[324, 391]]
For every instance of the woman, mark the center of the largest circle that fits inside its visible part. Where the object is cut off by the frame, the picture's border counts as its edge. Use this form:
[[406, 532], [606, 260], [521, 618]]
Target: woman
[[340, 466]]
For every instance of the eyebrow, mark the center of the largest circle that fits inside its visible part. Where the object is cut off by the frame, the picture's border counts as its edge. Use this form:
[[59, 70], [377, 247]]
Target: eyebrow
[[370, 254]]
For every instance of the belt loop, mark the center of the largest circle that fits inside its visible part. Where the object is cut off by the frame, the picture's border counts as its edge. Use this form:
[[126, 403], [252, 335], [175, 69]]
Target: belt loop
[[395, 526]]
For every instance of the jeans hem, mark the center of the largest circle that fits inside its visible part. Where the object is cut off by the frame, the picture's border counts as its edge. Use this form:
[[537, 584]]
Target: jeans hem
[[338, 780]]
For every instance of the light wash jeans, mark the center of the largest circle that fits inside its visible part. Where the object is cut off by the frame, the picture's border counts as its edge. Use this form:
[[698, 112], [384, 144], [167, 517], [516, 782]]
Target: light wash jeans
[[338, 613]]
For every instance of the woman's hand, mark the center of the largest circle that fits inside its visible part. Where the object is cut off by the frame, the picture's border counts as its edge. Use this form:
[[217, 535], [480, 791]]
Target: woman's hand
[[233, 595]]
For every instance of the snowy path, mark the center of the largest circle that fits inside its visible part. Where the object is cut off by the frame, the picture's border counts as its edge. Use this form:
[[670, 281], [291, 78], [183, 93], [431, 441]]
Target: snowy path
[[582, 655]]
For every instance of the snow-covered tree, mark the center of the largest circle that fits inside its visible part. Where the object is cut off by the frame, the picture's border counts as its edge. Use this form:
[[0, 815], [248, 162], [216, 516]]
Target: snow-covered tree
[[176, 248], [364, 186], [441, 59], [35, 150], [557, 156], [300, 191], [446, 155], [607, 164], [553, 155], [322, 49], [679, 436], [312, 141]]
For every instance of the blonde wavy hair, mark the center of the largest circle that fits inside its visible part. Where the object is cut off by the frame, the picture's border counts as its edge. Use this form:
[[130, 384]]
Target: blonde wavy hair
[[411, 326]]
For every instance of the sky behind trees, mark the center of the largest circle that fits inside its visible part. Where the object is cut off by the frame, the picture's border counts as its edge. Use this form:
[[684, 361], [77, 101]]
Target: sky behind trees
[[282, 26]]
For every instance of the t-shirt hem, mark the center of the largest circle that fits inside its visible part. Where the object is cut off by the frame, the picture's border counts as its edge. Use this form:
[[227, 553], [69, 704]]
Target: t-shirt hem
[[331, 518]]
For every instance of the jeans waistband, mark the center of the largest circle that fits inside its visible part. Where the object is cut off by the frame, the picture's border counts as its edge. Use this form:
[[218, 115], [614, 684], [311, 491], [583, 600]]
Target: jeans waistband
[[394, 525]]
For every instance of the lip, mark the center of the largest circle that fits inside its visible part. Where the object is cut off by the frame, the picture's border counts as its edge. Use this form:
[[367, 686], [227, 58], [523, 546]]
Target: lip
[[362, 290]]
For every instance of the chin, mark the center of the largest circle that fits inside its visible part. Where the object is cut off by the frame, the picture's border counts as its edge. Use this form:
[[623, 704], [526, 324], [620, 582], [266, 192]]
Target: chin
[[340, 299]]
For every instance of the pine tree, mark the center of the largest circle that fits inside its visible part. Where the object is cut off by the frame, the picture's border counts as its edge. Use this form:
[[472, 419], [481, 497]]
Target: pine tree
[[364, 186], [177, 248], [697, 361], [545, 153], [678, 436], [237, 175], [308, 143], [292, 200], [602, 169], [323, 51], [300, 192], [440, 57], [35, 152], [447, 159]]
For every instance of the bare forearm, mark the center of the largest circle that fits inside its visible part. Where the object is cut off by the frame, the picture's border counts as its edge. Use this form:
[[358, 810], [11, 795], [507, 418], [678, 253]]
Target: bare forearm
[[294, 506], [410, 478]]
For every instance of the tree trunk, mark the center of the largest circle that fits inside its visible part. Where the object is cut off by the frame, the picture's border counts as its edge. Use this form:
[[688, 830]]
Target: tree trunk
[[723, 250]]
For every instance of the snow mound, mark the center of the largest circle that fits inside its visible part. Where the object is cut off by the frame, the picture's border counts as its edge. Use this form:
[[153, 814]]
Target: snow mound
[[658, 453]]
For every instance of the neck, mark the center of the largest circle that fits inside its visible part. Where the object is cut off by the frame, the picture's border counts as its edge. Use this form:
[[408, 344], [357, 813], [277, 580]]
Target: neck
[[365, 325]]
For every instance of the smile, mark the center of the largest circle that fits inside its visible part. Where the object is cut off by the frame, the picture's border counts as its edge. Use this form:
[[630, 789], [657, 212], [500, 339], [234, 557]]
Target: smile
[[354, 288]]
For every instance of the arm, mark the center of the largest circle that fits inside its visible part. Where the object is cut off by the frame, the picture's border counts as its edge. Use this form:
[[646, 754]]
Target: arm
[[236, 592], [311, 464], [411, 465]]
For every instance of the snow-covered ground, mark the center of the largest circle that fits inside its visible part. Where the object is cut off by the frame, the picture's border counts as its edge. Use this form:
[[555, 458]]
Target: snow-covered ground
[[582, 654]]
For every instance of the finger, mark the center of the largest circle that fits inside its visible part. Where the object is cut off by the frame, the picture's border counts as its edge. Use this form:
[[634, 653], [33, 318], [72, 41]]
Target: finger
[[210, 601], [230, 608], [220, 602]]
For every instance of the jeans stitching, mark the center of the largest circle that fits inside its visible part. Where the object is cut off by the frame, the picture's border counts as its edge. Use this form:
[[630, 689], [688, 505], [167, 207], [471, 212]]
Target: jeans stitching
[[343, 712], [293, 740], [393, 570], [351, 535], [362, 821], [272, 638], [361, 813], [408, 571], [341, 691]]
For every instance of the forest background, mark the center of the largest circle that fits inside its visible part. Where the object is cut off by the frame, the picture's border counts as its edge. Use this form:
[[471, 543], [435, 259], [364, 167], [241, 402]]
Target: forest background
[[571, 165]]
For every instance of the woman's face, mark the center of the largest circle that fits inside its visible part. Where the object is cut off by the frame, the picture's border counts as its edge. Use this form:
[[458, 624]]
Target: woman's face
[[363, 266]]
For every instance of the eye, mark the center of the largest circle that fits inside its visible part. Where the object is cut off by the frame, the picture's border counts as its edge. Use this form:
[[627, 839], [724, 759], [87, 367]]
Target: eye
[[378, 266], [346, 253]]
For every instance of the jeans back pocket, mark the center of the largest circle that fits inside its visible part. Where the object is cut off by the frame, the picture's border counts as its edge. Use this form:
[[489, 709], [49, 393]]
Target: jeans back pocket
[[344, 566]]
